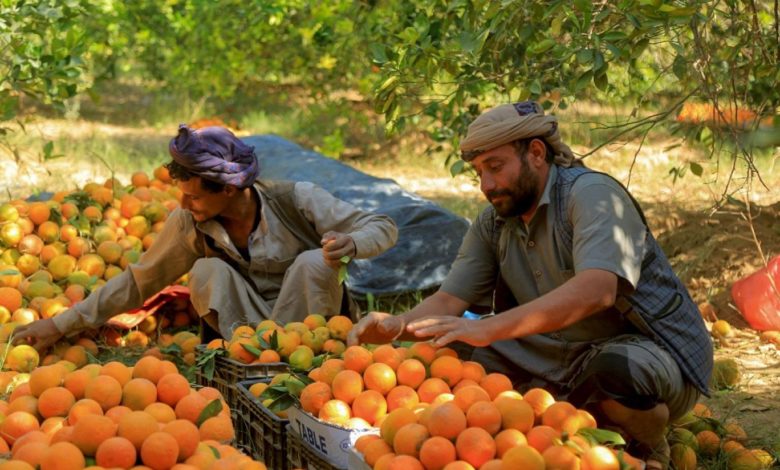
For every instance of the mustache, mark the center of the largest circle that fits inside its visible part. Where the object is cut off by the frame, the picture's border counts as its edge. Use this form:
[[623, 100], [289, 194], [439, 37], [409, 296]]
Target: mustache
[[497, 192]]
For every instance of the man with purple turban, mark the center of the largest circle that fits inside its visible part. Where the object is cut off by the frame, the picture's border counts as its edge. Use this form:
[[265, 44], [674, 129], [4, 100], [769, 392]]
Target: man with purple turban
[[254, 249], [586, 304]]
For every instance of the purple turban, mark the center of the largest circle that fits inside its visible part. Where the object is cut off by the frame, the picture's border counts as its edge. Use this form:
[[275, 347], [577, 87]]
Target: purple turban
[[215, 154]]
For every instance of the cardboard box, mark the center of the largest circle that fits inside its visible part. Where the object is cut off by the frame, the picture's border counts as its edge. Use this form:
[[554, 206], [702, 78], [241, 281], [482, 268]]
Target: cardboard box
[[331, 442]]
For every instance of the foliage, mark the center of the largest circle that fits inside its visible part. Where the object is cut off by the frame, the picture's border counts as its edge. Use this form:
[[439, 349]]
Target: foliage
[[444, 60], [42, 54]]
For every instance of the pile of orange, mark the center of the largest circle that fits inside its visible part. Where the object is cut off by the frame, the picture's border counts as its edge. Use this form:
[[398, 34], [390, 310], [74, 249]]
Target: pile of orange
[[115, 416], [296, 343], [54, 253], [699, 439], [435, 411]]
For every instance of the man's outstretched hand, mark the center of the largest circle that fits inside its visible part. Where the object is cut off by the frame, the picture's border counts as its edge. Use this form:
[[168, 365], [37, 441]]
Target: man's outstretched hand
[[446, 329], [376, 328], [41, 334], [336, 245]]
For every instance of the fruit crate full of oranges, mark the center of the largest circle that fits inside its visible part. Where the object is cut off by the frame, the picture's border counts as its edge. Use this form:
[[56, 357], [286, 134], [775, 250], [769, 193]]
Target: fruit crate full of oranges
[[224, 374], [262, 431], [303, 456]]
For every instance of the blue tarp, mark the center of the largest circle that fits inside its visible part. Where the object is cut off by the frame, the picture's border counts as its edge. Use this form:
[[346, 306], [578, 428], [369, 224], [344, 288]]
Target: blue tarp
[[428, 235]]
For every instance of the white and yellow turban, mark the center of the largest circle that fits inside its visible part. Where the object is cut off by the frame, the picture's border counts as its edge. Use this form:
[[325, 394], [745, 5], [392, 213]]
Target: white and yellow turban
[[510, 122]]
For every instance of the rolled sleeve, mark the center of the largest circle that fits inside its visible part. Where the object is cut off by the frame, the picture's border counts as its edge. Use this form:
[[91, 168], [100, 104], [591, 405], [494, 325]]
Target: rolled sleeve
[[372, 233], [172, 254], [609, 233], [472, 277]]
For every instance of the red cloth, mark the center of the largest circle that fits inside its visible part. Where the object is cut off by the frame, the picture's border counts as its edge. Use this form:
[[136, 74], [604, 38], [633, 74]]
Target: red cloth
[[134, 317], [757, 297]]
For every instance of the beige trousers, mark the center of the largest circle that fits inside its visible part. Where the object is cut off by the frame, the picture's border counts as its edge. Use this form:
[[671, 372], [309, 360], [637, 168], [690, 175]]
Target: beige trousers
[[309, 286]]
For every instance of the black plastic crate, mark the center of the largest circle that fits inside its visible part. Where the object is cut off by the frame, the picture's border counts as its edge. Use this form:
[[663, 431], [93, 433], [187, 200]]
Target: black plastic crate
[[229, 372], [302, 456], [261, 431]]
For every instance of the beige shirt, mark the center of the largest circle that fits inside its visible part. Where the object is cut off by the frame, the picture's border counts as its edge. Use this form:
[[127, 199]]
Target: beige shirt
[[272, 250]]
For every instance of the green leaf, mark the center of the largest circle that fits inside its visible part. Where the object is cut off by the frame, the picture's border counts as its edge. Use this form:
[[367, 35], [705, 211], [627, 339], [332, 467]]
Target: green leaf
[[48, 148], [9, 272], [212, 409], [378, 53], [696, 169], [282, 403], [457, 168], [584, 56], [251, 349], [536, 88], [602, 436], [541, 46]]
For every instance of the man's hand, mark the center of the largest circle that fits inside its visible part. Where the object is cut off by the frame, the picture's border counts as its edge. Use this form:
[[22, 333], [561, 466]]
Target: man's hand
[[446, 329], [376, 328], [336, 245], [41, 333]]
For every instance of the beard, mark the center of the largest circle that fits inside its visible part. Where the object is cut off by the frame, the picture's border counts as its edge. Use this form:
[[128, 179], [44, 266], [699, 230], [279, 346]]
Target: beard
[[520, 197]]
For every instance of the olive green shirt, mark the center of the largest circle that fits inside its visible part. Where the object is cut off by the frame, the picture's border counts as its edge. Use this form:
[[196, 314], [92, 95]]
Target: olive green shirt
[[272, 249], [608, 234]]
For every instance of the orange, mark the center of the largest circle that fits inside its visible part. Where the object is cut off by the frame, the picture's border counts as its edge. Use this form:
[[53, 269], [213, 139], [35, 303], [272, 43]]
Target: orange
[[105, 390], [379, 377], [32, 453], [507, 439], [149, 368], [187, 436], [525, 457], [374, 450], [218, 428], [347, 385], [541, 437], [394, 421], [599, 458], [314, 395], [63, 456], [55, 401], [117, 412], [709, 442], [409, 438], [45, 377], [437, 452], [465, 383], [495, 383], [581, 419], [335, 411], [485, 415], [171, 388], [160, 451], [339, 327], [448, 369], [467, 396], [402, 396], [370, 405], [561, 457], [357, 358], [116, 452], [117, 370], [411, 372], [447, 421], [162, 413], [515, 414], [17, 424], [38, 212], [136, 426], [684, 458], [362, 441], [476, 446], [387, 354], [190, 407], [139, 179], [425, 352], [269, 356], [555, 415], [83, 407], [30, 437], [432, 388], [540, 399], [16, 465], [443, 398], [26, 403], [404, 462], [91, 431], [137, 394], [10, 298]]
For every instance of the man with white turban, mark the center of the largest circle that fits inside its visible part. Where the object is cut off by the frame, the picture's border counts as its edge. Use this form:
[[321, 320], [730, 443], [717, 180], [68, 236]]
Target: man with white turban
[[586, 304], [254, 249]]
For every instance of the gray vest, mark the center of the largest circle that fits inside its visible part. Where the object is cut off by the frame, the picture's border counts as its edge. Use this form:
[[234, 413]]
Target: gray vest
[[660, 306]]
